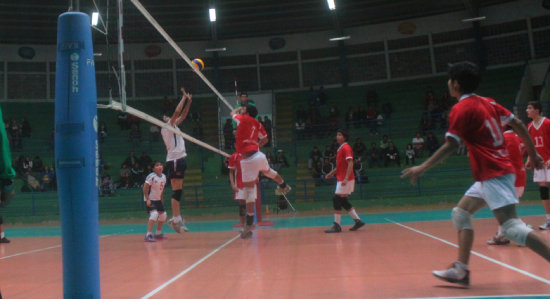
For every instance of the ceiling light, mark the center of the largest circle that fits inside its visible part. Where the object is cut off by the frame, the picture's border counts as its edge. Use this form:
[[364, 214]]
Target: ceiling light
[[212, 12], [216, 49], [95, 18], [334, 39], [474, 19], [331, 4]]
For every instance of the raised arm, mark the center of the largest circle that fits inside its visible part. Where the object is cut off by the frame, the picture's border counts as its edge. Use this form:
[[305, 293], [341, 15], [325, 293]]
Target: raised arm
[[186, 108], [179, 107]]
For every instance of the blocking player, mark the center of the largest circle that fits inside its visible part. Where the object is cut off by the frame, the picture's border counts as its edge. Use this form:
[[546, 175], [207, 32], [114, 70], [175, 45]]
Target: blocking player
[[477, 121], [153, 191], [175, 158], [345, 184], [250, 136], [539, 129]]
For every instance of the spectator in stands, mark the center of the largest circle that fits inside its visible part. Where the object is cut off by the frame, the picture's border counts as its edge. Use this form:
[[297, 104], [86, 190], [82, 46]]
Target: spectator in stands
[[145, 160], [314, 156], [300, 129], [25, 128], [351, 117], [384, 142], [317, 172], [271, 161], [362, 118], [329, 153], [372, 97], [359, 149], [154, 133], [391, 155], [228, 136], [134, 121], [387, 109], [409, 154], [432, 144], [135, 136], [360, 176], [244, 100], [418, 144], [125, 176], [374, 155], [27, 165], [14, 130], [372, 115], [301, 113], [102, 132], [322, 96], [327, 168], [37, 165], [197, 130], [106, 187], [281, 159], [131, 159], [268, 129], [122, 120], [315, 118], [46, 178], [137, 174]]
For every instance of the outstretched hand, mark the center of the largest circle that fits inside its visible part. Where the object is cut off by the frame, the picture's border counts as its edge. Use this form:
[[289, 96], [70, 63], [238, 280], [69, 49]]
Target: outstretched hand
[[413, 173]]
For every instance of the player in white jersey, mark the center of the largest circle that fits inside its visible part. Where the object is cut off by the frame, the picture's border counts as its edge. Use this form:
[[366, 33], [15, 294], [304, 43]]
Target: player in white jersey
[[175, 158], [153, 191]]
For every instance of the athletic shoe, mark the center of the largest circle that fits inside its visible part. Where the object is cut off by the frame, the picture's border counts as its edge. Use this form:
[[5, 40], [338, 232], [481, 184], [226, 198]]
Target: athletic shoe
[[4, 240], [498, 240], [358, 224], [546, 225], [247, 231], [284, 190], [176, 226], [336, 228], [160, 236], [454, 275], [183, 226], [149, 238]]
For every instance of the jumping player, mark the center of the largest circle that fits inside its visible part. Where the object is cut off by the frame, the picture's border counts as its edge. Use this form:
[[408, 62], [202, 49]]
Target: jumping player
[[153, 191], [235, 177], [539, 129], [477, 121], [516, 149], [345, 184], [175, 158], [251, 136]]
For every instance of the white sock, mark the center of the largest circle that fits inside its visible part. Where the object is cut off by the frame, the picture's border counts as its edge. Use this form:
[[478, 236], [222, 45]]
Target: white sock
[[462, 266], [2, 235], [353, 214], [337, 218], [177, 219], [158, 232], [149, 233], [499, 232], [547, 216]]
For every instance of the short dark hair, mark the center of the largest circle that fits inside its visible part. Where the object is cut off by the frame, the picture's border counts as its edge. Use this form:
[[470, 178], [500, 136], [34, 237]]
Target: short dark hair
[[244, 93], [536, 104], [344, 133], [251, 110], [467, 74]]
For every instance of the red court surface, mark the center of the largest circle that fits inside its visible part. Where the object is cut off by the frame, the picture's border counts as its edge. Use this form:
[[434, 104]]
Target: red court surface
[[390, 260]]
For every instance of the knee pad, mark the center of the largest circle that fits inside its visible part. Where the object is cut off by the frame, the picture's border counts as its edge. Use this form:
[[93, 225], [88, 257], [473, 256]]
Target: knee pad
[[462, 219], [345, 203], [162, 217], [176, 195], [242, 210], [543, 193], [272, 174], [516, 230], [154, 215], [337, 203]]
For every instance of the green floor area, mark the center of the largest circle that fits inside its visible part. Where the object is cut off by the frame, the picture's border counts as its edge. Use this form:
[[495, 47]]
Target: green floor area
[[280, 222]]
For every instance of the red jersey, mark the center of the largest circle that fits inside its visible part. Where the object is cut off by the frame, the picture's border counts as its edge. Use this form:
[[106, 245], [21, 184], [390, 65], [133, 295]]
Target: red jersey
[[249, 131], [343, 154], [516, 149], [478, 121], [541, 137], [235, 163]]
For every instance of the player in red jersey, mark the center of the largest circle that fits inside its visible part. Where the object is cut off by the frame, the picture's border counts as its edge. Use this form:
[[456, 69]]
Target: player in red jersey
[[235, 178], [516, 149], [477, 121], [345, 184], [250, 137], [539, 129]]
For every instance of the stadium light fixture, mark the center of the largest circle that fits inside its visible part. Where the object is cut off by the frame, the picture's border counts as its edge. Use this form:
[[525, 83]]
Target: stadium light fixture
[[335, 39], [215, 49], [331, 4], [95, 18], [212, 12], [476, 19]]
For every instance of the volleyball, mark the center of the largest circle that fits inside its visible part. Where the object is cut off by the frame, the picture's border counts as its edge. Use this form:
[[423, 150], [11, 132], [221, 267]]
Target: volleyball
[[198, 63]]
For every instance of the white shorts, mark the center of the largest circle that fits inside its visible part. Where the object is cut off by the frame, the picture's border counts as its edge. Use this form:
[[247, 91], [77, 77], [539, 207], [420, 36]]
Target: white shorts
[[541, 175], [519, 191], [497, 192], [347, 189], [249, 194], [240, 195], [252, 166]]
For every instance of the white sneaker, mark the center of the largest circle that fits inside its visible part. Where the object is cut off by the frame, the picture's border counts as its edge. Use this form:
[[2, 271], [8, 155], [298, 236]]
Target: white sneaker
[[247, 231], [455, 274], [176, 226], [546, 225], [183, 226]]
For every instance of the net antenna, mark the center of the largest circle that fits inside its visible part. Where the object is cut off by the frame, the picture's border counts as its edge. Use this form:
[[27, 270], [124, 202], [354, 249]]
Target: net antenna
[[122, 78], [236, 91], [157, 26]]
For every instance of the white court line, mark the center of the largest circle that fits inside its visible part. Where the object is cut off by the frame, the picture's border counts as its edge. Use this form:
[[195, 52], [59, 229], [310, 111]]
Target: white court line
[[475, 253], [47, 248], [483, 297], [153, 292]]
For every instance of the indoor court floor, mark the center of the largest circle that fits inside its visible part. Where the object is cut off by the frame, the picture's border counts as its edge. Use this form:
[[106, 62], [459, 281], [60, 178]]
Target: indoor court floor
[[391, 257]]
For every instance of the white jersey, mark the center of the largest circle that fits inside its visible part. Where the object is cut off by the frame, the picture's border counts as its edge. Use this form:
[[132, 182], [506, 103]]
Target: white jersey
[[175, 145], [157, 186]]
